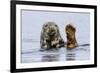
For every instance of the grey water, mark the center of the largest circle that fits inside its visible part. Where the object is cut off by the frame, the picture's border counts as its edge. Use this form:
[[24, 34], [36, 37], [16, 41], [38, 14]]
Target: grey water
[[82, 52], [32, 22]]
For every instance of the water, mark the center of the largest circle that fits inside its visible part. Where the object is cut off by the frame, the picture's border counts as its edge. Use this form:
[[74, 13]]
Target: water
[[61, 54], [32, 22]]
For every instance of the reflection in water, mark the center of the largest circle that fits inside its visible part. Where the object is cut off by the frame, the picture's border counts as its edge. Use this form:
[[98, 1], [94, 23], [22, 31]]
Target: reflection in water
[[70, 55], [50, 58], [35, 55]]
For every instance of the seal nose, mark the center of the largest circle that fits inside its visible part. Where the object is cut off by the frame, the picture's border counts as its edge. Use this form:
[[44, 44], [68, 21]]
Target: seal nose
[[51, 32]]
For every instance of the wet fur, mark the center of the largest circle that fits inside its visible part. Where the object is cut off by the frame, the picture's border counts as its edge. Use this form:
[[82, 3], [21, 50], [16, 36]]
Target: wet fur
[[50, 36], [70, 35]]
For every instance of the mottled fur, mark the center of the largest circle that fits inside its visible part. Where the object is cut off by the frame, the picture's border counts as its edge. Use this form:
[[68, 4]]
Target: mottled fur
[[50, 36]]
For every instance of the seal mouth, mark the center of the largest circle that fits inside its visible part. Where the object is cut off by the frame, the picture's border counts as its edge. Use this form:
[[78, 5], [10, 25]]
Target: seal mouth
[[52, 34]]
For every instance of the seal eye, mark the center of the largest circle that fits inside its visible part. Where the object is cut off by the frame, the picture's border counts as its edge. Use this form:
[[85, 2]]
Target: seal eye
[[46, 25], [56, 25]]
